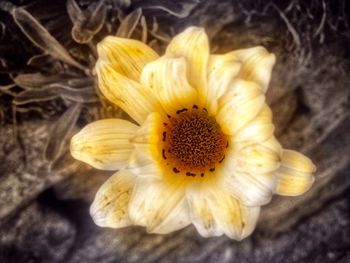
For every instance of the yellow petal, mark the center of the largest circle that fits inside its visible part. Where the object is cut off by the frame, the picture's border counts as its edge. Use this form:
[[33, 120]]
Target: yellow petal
[[256, 159], [222, 70], [126, 56], [297, 161], [167, 79], [201, 215], [239, 105], [294, 177], [193, 45], [104, 144], [217, 212], [236, 220], [177, 219], [110, 207], [250, 189], [134, 99], [146, 141], [257, 64], [153, 203], [257, 130]]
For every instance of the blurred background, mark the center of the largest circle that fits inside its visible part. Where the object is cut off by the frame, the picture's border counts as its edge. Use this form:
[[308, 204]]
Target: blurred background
[[48, 92]]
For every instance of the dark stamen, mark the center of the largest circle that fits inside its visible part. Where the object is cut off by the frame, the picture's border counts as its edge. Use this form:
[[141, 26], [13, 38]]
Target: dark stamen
[[163, 153], [183, 110], [212, 169], [190, 174], [195, 107], [222, 159], [176, 170], [164, 136]]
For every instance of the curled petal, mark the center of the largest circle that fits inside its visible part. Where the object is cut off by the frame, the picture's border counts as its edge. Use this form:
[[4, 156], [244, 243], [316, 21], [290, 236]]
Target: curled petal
[[127, 56], [104, 144], [193, 45], [167, 79], [239, 105], [154, 203], [250, 189], [222, 70], [257, 130], [134, 99], [110, 206], [294, 177], [216, 212], [257, 64]]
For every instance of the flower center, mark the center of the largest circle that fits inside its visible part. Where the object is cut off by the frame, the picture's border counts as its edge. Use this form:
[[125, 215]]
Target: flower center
[[193, 142]]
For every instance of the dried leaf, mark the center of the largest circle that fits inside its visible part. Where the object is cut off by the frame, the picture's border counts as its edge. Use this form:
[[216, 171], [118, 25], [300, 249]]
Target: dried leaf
[[35, 95], [73, 10], [177, 8], [41, 37], [60, 132], [89, 22], [37, 80], [82, 95], [129, 24]]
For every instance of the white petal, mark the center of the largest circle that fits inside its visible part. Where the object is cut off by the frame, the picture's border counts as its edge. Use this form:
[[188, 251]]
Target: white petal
[[257, 130], [104, 144], [193, 45], [222, 70], [215, 212], [177, 219], [127, 56], [134, 99], [166, 77], [257, 64], [251, 190], [154, 202], [297, 161], [236, 220], [201, 215], [295, 176], [239, 105], [110, 207], [256, 159]]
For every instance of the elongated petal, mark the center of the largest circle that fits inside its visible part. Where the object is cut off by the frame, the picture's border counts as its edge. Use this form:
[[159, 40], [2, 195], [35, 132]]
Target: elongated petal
[[104, 144], [110, 207], [127, 56], [295, 176], [134, 99], [222, 70], [257, 64], [154, 202], [193, 45], [239, 105], [217, 212], [166, 77], [236, 220], [176, 220], [201, 214]]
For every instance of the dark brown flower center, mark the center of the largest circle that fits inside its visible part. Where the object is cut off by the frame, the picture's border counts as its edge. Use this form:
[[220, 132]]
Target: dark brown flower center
[[193, 142]]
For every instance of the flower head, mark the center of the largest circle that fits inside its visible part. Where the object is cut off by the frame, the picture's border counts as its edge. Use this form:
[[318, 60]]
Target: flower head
[[203, 149]]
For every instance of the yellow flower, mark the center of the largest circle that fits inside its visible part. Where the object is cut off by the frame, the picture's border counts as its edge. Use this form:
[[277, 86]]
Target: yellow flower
[[203, 149]]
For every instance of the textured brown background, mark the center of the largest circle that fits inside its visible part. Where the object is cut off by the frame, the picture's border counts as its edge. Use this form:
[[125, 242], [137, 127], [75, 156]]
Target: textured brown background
[[45, 195]]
